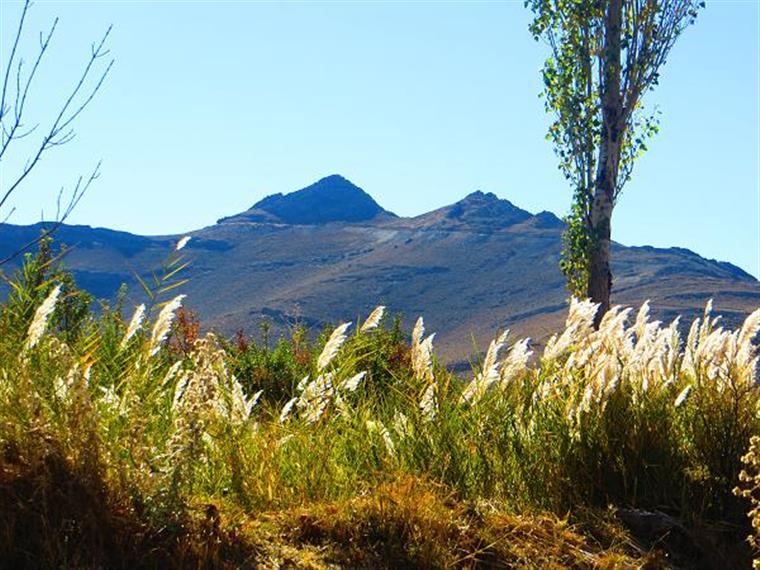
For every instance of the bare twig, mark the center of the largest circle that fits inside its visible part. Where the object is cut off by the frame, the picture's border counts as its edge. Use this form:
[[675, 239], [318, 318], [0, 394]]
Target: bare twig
[[79, 191], [60, 131]]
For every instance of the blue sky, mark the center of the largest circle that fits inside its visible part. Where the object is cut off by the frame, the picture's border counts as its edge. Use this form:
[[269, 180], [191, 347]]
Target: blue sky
[[212, 106]]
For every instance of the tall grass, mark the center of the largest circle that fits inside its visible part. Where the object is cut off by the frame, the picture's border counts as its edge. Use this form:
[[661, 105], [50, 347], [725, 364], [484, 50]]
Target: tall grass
[[631, 415]]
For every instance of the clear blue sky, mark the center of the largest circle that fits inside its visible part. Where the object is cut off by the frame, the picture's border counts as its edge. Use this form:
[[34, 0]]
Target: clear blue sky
[[213, 105]]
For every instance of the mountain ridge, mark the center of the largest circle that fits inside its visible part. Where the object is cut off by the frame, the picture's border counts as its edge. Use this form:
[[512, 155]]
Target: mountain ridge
[[470, 268]]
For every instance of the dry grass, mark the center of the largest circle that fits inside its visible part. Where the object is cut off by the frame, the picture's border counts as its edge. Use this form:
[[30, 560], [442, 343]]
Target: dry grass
[[52, 515]]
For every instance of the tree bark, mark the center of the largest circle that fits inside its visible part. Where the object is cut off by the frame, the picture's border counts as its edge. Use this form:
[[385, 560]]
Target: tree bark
[[600, 275]]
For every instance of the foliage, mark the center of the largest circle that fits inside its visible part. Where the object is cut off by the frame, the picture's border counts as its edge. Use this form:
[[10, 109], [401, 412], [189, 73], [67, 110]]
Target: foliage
[[31, 284], [573, 77], [360, 441]]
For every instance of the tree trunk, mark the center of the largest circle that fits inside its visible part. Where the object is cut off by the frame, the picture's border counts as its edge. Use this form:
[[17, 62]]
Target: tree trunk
[[600, 276]]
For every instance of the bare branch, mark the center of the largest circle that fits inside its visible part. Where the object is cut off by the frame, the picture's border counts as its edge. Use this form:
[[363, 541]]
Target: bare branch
[[6, 218], [59, 132], [80, 189], [19, 30], [19, 106]]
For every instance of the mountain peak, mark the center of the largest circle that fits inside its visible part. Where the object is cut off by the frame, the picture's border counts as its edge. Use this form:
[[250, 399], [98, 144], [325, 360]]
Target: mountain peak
[[478, 211], [331, 199], [486, 209], [479, 195], [335, 179]]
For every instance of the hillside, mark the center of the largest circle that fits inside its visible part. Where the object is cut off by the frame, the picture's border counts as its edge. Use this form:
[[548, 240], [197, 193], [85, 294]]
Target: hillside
[[329, 251], [126, 446]]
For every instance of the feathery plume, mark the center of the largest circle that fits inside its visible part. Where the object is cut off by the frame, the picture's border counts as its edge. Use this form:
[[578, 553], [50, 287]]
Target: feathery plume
[[642, 318], [39, 322], [378, 427], [284, 440], [169, 376], [374, 319], [515, 362], [164, 323], [239, 408], [429, 402], [302, 384], [351, 384], [182, 243], [418, 332], [401, 424], [578, 327], [134, 324], [708, 308], [180, 389], [488, 375], [315, 411], [682, 396], [422, 359], [336, 340], [749, 329], [316, 397], [286, 409]]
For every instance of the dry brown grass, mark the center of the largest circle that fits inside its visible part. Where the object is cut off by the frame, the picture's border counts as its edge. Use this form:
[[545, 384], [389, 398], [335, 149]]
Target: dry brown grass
[[52, 515], [408, 522]]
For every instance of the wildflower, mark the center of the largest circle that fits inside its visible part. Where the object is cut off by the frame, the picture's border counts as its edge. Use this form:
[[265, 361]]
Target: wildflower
[[111, 399], [61, 387], [388, 440], [39, 322], [374, 319], [199, 402]]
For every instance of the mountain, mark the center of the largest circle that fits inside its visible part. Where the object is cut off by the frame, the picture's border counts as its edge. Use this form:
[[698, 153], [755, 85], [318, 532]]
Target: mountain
[[329, 252], [476, 212], [331, 199]]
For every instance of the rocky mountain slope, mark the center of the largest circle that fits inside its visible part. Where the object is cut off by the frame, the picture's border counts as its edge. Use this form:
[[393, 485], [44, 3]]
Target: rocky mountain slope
[[329, 252]]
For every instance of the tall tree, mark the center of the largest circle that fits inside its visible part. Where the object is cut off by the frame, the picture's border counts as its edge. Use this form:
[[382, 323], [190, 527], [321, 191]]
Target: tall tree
[[605, 55]]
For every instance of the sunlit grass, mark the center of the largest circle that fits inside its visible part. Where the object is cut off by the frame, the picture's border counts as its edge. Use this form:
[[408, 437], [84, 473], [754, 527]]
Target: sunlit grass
[[203, 447]]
